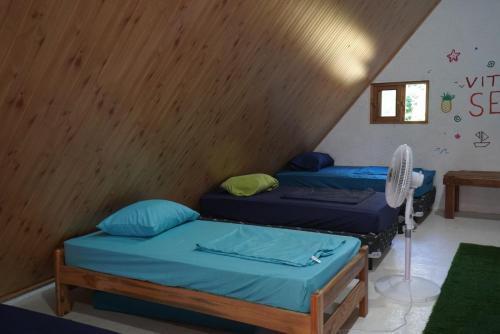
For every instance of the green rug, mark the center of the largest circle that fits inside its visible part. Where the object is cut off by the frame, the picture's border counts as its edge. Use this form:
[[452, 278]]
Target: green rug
[[470, 296]]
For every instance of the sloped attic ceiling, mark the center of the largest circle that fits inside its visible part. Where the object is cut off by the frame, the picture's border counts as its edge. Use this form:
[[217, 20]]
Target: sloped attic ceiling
[[105, 102]]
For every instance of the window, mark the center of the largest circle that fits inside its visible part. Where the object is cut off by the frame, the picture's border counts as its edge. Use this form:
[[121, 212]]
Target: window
[[399, 102]]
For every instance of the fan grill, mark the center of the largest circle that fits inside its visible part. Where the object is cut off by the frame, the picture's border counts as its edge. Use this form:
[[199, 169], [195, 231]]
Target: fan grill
[[399, 176]]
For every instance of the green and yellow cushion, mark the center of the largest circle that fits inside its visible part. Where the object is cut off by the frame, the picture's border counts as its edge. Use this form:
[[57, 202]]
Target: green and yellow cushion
[[248, 185]]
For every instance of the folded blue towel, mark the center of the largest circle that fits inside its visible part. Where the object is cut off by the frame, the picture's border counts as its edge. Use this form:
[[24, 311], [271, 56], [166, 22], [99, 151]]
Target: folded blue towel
[[293, 248]]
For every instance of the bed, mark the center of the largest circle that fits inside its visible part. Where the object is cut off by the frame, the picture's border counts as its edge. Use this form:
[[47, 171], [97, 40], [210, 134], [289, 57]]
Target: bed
[[371, 220], [167, 269], [361, 177]]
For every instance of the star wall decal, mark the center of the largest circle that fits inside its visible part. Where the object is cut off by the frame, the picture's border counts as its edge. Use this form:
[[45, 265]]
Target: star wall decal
[[453, 56]]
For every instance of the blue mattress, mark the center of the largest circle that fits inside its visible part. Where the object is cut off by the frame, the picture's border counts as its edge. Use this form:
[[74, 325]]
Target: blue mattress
[[372, 215], [170, 259], [118, 303], [349, 177], [16, 320]]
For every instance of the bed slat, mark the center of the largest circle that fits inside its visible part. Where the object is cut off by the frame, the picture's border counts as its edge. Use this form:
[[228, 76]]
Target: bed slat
[[351, 271], [342, 313]]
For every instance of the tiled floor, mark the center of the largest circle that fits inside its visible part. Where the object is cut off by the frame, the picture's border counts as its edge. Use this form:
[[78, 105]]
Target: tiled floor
[[434, 244]]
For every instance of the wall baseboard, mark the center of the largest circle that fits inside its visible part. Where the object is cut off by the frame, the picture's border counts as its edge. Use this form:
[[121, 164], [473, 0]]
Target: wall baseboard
[[26, 290]]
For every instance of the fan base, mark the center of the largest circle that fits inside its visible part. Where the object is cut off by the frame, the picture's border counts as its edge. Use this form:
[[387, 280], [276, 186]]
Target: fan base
[[395, 287]]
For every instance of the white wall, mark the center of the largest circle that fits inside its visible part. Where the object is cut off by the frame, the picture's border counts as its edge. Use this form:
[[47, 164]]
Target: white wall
[[471, 28]]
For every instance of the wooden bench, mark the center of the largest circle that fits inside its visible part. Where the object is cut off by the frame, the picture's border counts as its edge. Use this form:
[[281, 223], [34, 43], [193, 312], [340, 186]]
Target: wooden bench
[[454, 179]]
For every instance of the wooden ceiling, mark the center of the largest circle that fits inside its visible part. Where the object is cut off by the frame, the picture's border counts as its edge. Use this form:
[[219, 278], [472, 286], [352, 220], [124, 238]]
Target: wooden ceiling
[[105, 102]]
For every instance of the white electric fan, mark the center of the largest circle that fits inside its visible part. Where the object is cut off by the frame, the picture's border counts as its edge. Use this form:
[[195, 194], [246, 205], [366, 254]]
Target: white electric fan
[[401, 183]]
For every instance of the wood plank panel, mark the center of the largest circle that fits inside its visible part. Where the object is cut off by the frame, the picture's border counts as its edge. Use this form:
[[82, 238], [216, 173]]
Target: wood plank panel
[[103, 103]]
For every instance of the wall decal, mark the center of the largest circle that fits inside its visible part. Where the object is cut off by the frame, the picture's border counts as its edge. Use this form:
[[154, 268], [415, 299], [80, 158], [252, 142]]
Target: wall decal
[[483, 137], [457, 118], [484, 101], [453, 56], [461, 86], [446, 102], [441, 150], [457, 135], [429, 71], [482, 80], [475, 48], [491, 63]]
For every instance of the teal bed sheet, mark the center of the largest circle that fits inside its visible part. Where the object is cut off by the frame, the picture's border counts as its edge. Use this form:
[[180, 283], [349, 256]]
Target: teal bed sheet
[[260, 245], [349, 177], [170, 259]]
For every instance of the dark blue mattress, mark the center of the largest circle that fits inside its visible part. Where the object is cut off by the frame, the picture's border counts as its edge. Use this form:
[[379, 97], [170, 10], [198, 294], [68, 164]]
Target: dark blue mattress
[[118, 303], [349, 177], [372, 215], [16, 320]]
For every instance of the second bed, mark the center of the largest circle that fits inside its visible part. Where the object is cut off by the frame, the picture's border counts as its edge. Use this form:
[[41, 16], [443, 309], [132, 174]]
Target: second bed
[[361, 177], [371, 220]]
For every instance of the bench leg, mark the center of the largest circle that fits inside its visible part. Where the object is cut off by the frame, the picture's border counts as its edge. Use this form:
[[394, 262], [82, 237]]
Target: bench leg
[[457, 198], [449, 204]]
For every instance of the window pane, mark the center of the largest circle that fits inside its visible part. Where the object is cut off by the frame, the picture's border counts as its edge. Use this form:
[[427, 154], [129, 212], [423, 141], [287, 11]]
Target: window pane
[[388, 104], [415, 102]]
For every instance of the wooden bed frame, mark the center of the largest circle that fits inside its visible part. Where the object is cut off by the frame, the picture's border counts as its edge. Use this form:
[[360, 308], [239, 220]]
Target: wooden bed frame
[[315, 322]]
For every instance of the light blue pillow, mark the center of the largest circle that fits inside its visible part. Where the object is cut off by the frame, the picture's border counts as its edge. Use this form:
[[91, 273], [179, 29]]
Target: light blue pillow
[[147, 218]]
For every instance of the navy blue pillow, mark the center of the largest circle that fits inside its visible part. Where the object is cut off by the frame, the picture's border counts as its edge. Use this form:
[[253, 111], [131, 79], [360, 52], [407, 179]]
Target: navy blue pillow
[[311, 161]]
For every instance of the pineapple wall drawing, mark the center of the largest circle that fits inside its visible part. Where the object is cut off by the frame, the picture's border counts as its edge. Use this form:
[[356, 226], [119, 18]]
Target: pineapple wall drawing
[[446, 102]]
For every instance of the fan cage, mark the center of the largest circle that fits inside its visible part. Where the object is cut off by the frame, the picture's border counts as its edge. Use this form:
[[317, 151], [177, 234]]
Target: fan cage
[[399, 176]]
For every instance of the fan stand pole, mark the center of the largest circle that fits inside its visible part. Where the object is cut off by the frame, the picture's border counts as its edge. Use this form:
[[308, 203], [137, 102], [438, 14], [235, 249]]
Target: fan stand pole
[[408, 230], [405, 288]]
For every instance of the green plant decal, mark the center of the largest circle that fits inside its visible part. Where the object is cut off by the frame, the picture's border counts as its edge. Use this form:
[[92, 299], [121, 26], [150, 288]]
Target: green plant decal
[[447, 97]]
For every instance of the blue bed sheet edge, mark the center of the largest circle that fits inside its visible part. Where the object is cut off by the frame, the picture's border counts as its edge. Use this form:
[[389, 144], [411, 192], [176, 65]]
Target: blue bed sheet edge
[[349, 177]]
